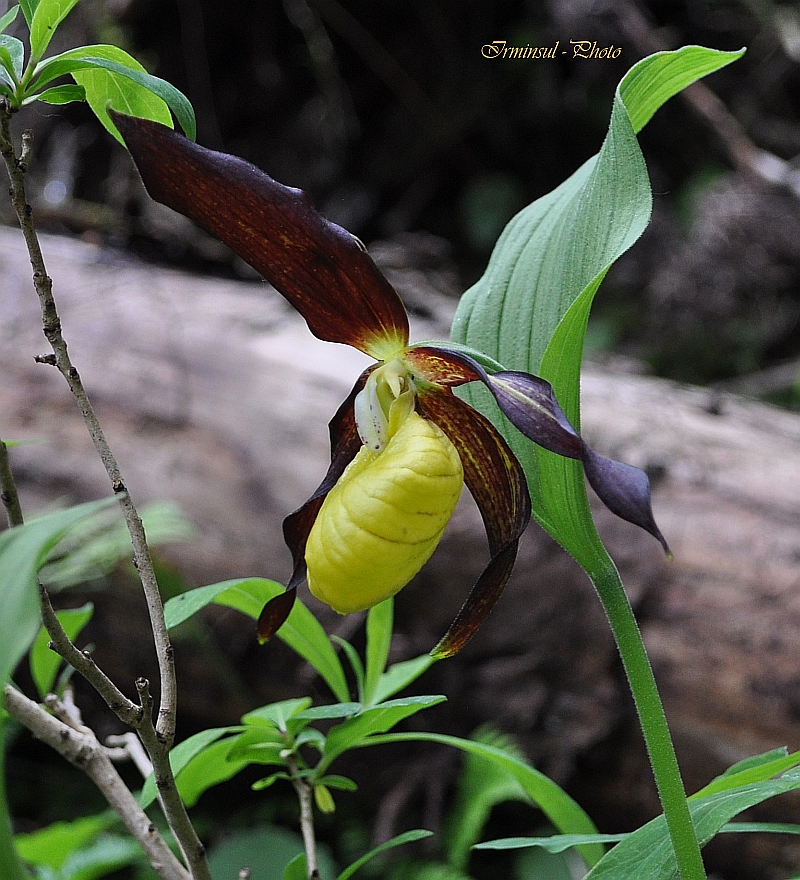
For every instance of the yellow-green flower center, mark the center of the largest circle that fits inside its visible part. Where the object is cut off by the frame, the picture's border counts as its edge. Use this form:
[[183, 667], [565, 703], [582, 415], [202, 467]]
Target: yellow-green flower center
[[384, 517], [384, 403]]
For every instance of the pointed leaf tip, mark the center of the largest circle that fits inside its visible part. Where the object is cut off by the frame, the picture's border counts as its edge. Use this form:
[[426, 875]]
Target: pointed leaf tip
[[625, 491], [274, 614]]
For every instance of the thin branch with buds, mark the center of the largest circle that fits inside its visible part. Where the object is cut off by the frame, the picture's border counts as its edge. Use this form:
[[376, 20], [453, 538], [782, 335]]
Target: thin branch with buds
[[8, 489], [157, 737], [80, 747], [52, 330]]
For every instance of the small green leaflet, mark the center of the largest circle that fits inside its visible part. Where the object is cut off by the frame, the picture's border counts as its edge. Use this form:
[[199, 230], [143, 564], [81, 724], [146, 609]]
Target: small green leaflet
[[302, 631], [12, 57], [23, 551], [182, 756], [28, 8], [47, 16], [44, 662], [113, 78], [65, 94], [8, 18]]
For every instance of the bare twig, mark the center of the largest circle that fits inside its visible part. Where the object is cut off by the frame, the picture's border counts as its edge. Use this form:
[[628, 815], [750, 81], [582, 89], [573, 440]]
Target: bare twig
[[174, 809], [157, 737], [126, 710], [8, 489], [128, 747], [52, 330], [305, 795], [81, 748]]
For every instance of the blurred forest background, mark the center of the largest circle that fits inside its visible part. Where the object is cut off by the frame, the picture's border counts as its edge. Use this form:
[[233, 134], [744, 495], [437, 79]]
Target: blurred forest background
[[402, 131], [394, 122]]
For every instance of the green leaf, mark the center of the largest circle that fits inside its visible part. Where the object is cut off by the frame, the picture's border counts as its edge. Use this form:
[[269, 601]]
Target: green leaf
[[380, 621], [529, 310], [341, 783], [59, 95], [560, 842], [8, 18], [107, 855], [278, 714], [297, 869], [755, 769], [45, 663], [648, 852], [47, 16], [400, 675], [334, 710], [407, 837], [302, 631], [113, 78], [12, 55], [481, 786], [376, 719], [555, 844], [355, 664], [182, 755], [564, 813], [94, 547], [28, 9], [55, 843], [210, 767], [760, 828], [257, 745], [23, 551]]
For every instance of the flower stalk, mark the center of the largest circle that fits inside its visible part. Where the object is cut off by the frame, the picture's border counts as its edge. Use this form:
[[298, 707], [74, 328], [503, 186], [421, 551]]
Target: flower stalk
[[653, 721]]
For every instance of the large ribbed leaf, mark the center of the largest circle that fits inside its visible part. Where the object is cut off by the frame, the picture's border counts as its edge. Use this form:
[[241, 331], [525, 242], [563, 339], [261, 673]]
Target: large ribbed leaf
[[529, 310]]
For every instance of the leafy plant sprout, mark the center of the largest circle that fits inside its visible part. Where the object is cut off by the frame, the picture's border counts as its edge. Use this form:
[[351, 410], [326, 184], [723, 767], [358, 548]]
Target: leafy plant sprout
[[423, 418]]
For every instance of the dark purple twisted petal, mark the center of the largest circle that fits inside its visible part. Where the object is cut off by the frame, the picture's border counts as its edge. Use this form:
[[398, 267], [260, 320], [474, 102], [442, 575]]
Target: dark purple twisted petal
[[345, 443], [315, 264], [530, 404], [497, 483], [624, 489], [527, 401]]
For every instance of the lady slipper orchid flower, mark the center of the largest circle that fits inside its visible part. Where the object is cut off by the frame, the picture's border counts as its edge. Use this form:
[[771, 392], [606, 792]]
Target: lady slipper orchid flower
[[402, 443]]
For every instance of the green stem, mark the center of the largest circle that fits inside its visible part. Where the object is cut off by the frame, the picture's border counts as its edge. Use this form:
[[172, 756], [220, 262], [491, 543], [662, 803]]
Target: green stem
[[653, 721], [11, 866]]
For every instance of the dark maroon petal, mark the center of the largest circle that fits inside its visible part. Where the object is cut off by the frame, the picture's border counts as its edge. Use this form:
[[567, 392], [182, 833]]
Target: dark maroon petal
[[530, 404], [497, 483], [624, 489], [345, 443], [274, 613], [316, 265], [442, 365]]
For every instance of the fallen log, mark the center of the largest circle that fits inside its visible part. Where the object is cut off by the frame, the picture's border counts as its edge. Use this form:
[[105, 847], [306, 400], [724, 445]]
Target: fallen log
[[214, 394]]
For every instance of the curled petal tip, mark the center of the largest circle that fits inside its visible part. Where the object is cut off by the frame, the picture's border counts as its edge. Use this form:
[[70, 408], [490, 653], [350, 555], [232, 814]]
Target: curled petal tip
[[625, 491], [274, 614]]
